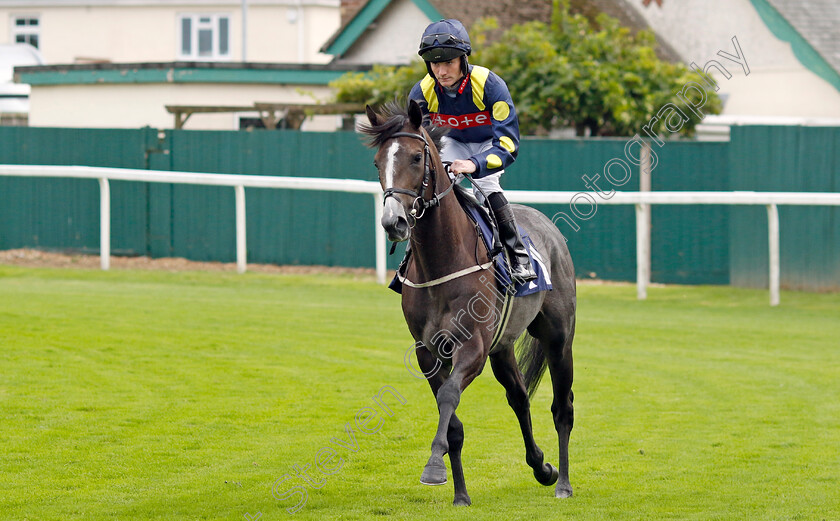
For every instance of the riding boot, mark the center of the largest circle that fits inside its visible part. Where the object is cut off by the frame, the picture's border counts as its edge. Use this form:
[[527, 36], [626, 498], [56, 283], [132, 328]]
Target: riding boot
[[520, 264]]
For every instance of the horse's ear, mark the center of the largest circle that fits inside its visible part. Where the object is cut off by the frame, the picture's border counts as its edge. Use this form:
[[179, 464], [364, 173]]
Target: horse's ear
[[415, 113], [372, 117]]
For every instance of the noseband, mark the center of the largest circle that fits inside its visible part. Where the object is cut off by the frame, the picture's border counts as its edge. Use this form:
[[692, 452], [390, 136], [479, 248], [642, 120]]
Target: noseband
[[428, 172]]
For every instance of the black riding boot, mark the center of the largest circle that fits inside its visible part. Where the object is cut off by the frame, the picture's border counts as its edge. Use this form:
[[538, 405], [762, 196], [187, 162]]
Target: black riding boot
[[520, 265]]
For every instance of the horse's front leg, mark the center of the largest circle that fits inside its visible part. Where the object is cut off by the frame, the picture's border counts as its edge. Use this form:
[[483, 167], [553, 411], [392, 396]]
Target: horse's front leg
[[454, 434], [467, 363]]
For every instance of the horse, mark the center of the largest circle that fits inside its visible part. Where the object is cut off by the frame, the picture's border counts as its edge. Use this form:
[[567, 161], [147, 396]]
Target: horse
[[443, 309]]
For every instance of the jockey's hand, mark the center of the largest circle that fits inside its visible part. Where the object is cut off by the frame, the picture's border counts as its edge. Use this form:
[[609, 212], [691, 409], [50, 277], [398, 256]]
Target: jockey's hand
[[462, 166]]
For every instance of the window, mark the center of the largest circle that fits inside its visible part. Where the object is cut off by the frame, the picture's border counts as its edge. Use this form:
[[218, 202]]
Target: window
[[25, 29], [204, 36]]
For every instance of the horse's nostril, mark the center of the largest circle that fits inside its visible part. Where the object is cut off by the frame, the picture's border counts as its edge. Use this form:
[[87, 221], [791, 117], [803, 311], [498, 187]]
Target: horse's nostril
[[397, 228], [401, 227], [390, 222]]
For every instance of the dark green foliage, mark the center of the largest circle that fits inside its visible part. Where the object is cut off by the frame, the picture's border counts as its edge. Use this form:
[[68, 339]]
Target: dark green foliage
[[379, 86]]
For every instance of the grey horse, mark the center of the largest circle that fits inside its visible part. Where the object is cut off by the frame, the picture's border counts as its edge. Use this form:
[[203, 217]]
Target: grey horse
[[454, 308]]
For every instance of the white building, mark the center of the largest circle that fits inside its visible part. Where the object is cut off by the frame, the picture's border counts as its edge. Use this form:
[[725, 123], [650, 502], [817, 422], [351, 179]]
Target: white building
[[118, 63], [131, 31], [791, 49]]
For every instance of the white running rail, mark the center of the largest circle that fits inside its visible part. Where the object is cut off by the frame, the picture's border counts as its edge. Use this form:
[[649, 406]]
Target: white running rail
[[238, 182], [641, 200]]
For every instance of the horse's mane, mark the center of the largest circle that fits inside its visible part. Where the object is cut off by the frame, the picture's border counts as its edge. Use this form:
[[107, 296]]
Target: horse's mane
[[396, 117]]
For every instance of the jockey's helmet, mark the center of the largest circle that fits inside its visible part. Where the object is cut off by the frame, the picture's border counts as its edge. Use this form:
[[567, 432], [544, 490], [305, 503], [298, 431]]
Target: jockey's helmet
[[444, 40]]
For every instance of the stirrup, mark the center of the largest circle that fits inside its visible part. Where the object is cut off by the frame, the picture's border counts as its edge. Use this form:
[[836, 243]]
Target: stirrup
[[522, 272]]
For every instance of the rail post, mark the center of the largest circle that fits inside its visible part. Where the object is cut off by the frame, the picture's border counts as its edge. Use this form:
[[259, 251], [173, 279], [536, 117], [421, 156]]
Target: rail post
[[104, 223], [642, 250], [773, 243], [241, 237]]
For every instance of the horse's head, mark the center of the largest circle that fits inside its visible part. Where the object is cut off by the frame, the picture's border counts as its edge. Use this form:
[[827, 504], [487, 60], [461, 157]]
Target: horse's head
[[406, 157]]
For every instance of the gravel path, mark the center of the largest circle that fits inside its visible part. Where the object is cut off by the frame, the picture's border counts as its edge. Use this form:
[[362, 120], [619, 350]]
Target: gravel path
[[43, 259]]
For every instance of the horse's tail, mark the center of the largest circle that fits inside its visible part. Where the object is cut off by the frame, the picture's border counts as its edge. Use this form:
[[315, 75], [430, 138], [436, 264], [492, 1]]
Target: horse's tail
[[531, 361]]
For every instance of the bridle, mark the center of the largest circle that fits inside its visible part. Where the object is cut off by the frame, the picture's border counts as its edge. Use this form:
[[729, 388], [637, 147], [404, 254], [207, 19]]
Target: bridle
[[429, 173]]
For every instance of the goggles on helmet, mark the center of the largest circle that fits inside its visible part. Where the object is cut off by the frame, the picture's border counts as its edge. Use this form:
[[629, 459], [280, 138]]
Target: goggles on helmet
[[441, 38]]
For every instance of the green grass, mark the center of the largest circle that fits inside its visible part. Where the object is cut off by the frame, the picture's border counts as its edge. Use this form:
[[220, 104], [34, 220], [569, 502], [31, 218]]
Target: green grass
[[150, 395]]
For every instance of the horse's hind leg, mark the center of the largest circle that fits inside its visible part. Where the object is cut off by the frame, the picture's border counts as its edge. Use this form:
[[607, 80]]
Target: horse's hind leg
[[508, 374], [560, 367], [454, 434]]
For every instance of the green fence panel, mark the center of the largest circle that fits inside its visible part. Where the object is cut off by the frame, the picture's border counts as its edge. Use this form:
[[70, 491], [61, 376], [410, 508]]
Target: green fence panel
[[801, 159], [64, 213], [283, 226], [690, 244], [600, 237]]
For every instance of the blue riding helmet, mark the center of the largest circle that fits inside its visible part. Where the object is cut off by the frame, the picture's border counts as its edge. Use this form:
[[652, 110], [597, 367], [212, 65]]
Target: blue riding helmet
[[444, 40]]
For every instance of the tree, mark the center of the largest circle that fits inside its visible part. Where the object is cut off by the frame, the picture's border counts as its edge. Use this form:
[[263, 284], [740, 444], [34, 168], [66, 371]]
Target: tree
[[597, 78], [570, 74], [380, 85]]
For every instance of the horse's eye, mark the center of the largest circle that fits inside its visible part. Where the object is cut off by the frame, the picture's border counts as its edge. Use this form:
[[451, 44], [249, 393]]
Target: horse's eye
[[417, 157]]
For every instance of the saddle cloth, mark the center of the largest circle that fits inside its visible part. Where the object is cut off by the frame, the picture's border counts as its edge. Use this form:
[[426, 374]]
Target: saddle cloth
[[481, 218]]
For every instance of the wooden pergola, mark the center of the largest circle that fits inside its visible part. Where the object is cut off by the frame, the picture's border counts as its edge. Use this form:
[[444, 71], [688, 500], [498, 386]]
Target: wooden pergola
[[270, 113]]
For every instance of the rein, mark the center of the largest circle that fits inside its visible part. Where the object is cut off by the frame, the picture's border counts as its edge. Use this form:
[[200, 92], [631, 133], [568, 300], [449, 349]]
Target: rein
[[428, 172]]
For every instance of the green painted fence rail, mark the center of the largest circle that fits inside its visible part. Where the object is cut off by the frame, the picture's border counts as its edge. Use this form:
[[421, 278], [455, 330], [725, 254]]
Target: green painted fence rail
[[708, 244]]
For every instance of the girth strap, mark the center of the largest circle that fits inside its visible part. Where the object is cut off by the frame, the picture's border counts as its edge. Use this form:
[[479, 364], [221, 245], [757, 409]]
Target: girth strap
[[507, 307]]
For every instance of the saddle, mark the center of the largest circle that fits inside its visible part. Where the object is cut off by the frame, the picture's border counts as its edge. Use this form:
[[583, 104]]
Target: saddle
[[481, 214]]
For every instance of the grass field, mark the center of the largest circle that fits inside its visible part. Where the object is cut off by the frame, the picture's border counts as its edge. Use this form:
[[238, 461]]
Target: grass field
[[156, 395]]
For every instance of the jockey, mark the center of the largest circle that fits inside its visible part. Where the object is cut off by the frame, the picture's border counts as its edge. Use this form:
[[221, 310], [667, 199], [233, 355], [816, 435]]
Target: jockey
[[483, 139]]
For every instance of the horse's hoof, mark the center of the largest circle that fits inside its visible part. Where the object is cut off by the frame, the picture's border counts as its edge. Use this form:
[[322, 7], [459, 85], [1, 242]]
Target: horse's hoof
[[553, 474], [434, 474], [563, 491], [462, 501]]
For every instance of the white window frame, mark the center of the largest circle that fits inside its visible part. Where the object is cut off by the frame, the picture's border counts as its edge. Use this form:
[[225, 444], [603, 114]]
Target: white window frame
[[195, 25], [26, 30]]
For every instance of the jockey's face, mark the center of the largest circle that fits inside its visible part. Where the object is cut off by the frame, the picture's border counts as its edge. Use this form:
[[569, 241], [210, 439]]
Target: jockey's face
[[447, 73]]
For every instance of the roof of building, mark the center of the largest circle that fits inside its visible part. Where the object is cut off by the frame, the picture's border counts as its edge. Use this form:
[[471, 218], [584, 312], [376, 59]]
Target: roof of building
[[184, 72], [818, 22], [356, 23], [628, 16], [810, 27]]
